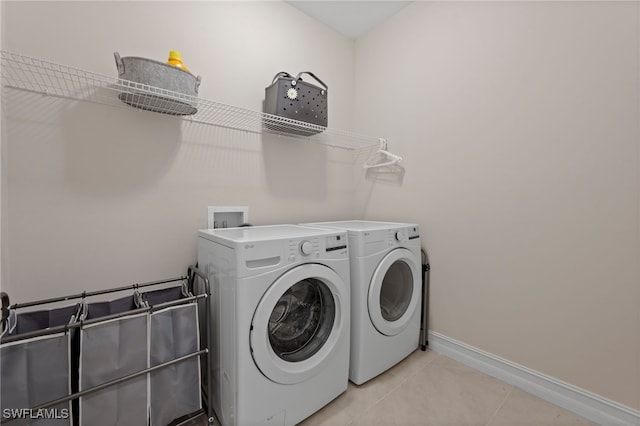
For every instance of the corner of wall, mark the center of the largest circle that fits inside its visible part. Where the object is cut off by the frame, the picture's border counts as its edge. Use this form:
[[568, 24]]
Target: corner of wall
[[637, 375]]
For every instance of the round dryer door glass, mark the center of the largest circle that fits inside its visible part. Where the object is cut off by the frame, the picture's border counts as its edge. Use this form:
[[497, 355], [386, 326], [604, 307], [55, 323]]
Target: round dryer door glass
[[396, 291], [302, 320]]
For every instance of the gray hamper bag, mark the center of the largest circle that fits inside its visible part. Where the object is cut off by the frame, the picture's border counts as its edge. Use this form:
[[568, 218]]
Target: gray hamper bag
[[110, 350], [36, 371], [175, 389]]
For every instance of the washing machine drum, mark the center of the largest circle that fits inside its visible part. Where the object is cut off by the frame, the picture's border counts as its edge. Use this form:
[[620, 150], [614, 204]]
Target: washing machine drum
[[302, 320], [297, 324], [394, 292]]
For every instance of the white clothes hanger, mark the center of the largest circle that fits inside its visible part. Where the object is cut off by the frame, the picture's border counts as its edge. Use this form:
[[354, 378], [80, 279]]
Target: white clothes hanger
[[382, 157]]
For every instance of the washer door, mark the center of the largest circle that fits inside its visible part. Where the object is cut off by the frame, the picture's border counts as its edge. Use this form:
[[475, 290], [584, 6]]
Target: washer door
[[298, 322], [394, 292]]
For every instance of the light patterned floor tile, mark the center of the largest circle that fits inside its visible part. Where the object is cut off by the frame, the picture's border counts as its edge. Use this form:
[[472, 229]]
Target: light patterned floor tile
[[334, 413], [444, 392], [427, 389], [524, 409], [359, 399], [413, 363]]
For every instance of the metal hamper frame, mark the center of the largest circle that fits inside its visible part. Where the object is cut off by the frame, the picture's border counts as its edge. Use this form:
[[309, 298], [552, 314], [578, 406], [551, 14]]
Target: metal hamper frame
[[192, 273]]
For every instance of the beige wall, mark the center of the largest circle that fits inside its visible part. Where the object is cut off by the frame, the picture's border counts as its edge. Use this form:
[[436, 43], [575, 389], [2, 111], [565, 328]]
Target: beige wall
[[99, 197], [520, 127], [518, 123]]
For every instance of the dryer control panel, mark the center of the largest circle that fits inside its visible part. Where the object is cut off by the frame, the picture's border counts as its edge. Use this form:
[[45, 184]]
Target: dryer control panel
[[413, 233], [401, 236]]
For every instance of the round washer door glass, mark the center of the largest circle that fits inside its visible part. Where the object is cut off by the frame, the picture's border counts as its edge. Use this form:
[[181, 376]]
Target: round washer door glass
[[300, 324], [302, 320], [394, 292]]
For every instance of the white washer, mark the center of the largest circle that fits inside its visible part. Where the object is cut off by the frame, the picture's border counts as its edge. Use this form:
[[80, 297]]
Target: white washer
[[280, 321], [386, 291]]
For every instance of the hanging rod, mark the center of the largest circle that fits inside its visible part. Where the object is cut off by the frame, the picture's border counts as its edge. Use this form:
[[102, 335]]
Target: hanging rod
[[65, 328], [86, 294], [389, 158]]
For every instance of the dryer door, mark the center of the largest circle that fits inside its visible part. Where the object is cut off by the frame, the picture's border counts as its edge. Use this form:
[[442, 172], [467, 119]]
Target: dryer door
[[394, 292], [297, 325]]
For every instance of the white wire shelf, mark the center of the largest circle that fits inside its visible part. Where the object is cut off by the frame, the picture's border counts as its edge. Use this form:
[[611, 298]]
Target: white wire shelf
[[40, 76]]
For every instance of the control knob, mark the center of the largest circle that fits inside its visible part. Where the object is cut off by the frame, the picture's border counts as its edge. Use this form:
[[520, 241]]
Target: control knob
[[401, 237], [305, 248]]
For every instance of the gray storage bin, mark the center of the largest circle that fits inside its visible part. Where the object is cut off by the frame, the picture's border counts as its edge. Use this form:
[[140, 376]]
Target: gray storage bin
[[295, 99], [157, 75]]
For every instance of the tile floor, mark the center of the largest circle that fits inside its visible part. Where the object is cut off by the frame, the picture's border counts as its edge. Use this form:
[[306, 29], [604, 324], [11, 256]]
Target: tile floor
[[434, 390], [428, 389]]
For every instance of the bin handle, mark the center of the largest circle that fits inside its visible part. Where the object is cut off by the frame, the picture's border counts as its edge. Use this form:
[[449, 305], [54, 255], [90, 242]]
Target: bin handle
[[314, 76], [119, 63]]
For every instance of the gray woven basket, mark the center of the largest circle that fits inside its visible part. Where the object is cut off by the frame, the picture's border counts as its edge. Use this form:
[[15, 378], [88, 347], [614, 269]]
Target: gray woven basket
[[157, 75]]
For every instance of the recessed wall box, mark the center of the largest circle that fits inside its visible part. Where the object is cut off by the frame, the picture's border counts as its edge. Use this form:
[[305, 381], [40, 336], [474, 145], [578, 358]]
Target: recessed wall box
[[227, 217]]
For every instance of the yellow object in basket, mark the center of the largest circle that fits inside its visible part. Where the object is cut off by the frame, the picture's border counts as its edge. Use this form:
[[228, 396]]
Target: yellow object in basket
[[175, 59]]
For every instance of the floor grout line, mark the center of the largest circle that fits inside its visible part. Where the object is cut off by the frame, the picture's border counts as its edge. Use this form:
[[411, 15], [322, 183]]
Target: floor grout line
[[504, 400]]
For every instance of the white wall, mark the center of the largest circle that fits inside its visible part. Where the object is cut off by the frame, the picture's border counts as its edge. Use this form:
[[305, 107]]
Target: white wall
[[520, 126], [98, 197]]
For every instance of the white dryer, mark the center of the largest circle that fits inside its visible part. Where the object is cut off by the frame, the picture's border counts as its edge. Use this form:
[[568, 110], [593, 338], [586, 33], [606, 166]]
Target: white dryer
[[280, 321], [386, 294]]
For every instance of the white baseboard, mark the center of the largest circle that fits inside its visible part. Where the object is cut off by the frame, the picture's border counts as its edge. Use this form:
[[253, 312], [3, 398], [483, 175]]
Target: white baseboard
[[584, 403]]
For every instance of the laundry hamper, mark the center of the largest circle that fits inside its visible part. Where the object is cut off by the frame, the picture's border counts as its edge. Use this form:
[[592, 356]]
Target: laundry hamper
[[129, 361], [132, 343]]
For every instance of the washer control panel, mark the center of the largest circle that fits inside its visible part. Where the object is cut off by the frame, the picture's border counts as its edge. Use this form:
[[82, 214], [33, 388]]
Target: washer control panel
[[331, 246], [305, 248]]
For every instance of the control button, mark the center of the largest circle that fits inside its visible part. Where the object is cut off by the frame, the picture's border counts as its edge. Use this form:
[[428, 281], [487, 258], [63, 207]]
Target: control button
[[305, 248]]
